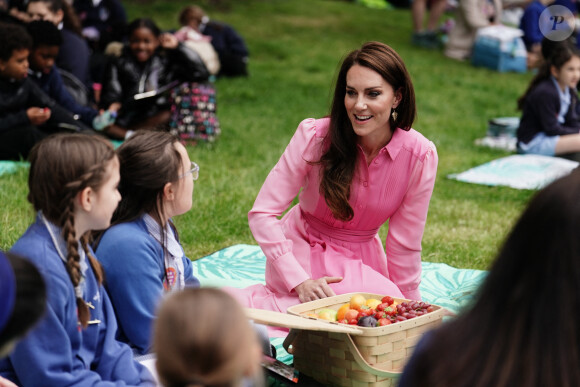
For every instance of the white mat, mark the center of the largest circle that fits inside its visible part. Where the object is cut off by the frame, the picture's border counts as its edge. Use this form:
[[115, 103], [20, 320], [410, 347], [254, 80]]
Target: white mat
[[518, 171]]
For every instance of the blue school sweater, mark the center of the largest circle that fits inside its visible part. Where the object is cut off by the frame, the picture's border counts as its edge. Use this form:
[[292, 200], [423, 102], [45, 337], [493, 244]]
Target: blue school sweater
[[58, 352], [133, 261]]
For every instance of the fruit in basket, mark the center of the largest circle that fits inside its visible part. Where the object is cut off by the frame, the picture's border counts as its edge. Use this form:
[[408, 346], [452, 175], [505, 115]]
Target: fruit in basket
[[383, 321], [388, 300], [351, 314], [367, 321], [386, 314], [357, 301], [327, 314], [342, 311], [372, 303]]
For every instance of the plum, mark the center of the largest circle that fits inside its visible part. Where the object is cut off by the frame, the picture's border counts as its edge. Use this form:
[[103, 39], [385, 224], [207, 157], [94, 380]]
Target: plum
[[367, 321]]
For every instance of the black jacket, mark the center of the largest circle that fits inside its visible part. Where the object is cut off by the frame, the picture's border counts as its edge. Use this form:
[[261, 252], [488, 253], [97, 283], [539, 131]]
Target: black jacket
[[540, 113], [17, 96], [125, 77]]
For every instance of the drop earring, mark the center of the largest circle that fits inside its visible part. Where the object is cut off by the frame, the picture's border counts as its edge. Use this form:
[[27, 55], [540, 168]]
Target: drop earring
[[394, 114]]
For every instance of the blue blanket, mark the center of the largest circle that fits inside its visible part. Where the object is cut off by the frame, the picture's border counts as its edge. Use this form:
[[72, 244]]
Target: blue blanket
[[244, 265]]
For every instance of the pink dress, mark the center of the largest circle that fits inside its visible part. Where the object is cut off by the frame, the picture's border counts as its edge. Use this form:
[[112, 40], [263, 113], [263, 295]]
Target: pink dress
[[309, 243]]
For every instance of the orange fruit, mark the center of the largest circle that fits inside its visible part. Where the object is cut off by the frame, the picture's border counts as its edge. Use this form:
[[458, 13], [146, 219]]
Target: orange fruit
[[342, 311], [357, 301]]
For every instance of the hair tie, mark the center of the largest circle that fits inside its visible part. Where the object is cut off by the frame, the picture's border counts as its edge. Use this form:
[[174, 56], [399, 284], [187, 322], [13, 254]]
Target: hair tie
[[7, 290], [78, 291]]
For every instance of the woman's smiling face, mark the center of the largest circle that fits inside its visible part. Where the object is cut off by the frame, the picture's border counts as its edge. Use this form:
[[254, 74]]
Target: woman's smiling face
[[143, 44], [369, 100]]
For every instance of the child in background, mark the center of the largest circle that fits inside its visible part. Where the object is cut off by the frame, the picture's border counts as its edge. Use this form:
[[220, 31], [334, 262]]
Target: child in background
[[72, 183], [214, 350], [46, 42], [230, 46], [530, 25], [150, 61], [189, 35], [27, 114], [550, 122], [74, 54], [140, 253]]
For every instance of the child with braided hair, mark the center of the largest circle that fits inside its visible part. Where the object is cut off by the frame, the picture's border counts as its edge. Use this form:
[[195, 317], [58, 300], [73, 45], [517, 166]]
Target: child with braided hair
[[73, 183]]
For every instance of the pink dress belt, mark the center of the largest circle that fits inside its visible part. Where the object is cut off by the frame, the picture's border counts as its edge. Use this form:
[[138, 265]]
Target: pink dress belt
[[342, 234]]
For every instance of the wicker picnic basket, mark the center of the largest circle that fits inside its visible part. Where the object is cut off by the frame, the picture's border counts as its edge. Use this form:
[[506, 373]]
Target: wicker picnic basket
[[352, 356]]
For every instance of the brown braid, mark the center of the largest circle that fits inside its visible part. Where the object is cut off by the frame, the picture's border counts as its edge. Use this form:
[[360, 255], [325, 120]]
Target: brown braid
[[97, 268], [61, 166], [73, 266]]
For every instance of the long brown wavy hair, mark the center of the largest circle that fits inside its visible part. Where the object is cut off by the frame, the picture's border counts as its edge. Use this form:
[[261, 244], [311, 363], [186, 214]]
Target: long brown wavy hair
[[339, 160], [61, 166]]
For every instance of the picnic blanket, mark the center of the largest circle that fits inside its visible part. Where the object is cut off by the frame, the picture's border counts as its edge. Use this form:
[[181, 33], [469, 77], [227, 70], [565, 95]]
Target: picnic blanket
[[7, 167], [518, 171], [244, 265]]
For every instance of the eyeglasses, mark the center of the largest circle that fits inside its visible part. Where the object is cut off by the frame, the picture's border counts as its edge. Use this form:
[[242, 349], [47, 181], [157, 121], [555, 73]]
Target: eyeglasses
[[194, 171]]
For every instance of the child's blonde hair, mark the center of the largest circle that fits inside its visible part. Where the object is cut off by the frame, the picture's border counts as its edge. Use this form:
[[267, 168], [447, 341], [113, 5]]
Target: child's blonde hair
[[202, 337], [61, 166]]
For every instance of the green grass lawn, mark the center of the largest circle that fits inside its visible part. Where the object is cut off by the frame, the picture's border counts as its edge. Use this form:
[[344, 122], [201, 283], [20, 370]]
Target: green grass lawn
[[296, 46]]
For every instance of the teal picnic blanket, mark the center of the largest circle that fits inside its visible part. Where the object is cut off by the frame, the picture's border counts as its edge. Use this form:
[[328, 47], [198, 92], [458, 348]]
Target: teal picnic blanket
[[240, 266], [8, 167], [518, 171]]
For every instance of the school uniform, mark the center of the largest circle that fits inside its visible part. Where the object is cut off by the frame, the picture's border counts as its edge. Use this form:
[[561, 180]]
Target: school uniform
[[139, 273], [58, 351]]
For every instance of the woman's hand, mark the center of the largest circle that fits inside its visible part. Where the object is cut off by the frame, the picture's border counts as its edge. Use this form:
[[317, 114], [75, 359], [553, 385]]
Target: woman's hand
[[168, 41], [311, 290]]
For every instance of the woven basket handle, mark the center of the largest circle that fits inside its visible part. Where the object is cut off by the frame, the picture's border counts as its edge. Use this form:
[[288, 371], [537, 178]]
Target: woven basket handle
[[365, 365]]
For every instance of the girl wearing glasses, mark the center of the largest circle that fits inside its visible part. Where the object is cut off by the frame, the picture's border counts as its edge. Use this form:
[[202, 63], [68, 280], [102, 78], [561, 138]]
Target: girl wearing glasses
[[140, 253]]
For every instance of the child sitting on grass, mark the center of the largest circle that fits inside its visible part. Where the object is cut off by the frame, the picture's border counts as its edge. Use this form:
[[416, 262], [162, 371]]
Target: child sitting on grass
[[46, 42], [73, 183], [550, 122], [27, 114], [218, 348]]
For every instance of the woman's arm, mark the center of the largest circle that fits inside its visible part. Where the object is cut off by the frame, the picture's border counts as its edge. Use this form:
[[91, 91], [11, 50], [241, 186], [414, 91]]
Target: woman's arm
[[279, 189], [406, 226]]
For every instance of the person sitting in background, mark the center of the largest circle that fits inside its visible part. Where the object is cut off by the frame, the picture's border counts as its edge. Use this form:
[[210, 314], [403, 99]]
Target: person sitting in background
[[426, 37], [550, 123], [199, 43], [230, 46], [212, 350], [530, 25], [103, 21], [470, 16], [27, 114], [46, 41], [522, 328], [150, 61], [22, 302], [74, 54]]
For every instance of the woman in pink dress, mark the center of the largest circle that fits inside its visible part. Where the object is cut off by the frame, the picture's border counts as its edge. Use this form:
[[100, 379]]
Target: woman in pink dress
[[359, 168]]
